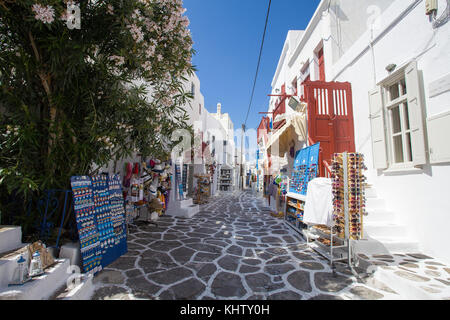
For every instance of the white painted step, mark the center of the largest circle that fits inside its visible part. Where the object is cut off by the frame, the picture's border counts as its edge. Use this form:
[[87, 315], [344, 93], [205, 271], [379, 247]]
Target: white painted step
[[10, 238], [378, 215], [40, 288], [375, 203], [385, 245], [370, 193], [82, 290], [379, 229], [184, 208]]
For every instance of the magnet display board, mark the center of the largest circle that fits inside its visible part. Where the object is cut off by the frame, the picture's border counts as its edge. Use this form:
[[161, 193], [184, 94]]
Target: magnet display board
[[305, 169], [100, 216]]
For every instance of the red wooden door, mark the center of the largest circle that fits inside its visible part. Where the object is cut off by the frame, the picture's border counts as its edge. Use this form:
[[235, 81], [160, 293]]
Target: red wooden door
[[321, 61], [330, 118]]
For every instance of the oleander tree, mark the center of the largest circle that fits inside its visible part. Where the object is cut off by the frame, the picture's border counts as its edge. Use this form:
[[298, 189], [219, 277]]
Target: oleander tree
[[72, 99]]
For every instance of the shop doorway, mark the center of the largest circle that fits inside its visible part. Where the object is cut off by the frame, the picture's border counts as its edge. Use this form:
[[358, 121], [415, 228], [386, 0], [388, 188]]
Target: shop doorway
[[330, 118]]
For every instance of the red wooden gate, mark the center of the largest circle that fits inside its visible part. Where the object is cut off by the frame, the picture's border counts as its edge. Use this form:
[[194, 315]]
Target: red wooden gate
[[330, 118]]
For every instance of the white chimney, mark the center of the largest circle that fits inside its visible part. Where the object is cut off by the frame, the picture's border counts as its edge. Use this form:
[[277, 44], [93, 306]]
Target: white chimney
[[219, 108]]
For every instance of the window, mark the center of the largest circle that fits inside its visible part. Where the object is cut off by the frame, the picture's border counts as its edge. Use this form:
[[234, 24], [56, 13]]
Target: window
[[193, 89], [294, 87], [399, 129], [396, 119], [199, 109], [321, 63]]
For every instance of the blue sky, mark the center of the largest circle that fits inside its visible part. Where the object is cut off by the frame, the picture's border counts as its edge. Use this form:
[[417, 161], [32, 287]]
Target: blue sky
[[227, 37]]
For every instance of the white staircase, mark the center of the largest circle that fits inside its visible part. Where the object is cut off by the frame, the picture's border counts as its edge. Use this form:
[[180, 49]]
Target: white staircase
[[184, 208], [382, 233], [39, 288]]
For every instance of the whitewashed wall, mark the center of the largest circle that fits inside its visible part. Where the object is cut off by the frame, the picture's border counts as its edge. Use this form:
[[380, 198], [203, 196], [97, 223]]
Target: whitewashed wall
[[403, 33], [419, 198]]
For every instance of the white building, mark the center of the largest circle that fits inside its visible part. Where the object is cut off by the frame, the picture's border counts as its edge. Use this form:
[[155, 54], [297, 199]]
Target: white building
[[397, 59], [228, 140]]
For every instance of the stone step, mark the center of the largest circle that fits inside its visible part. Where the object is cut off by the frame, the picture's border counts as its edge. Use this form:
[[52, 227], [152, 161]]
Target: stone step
[[385, 245], [184, 208], [40, 288], [370, 192], [10, 238], [375, 203], [376, 229], [82, 289], [379, 215]]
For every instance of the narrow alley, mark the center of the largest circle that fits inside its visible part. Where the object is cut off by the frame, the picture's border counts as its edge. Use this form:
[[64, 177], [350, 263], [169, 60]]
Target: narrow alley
[[232, 249]]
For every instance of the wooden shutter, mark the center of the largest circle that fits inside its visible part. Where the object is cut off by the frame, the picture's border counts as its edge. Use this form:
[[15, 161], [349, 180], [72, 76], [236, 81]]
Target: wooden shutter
[[378, 129], [415, 111]]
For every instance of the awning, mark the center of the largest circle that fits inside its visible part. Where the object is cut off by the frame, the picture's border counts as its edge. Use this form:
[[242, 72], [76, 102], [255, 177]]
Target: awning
[[293, 130]]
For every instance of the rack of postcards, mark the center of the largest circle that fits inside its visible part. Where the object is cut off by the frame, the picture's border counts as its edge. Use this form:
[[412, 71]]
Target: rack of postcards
[[203, 188], [335, 242]]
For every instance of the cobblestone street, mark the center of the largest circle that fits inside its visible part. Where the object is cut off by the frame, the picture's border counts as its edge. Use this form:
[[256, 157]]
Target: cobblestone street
[[232, 249]]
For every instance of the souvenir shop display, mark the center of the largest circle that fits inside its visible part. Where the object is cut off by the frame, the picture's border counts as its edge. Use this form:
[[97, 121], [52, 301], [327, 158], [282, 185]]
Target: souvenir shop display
[[226, 179], [86, 223], [179, 182], [203, 188], [305, 169], [335, 242], [118, 242], [105, 227], [151, 188], [100, 215], [21, 274], [36, 265], [348, 194], [47, 259], [184, 177]]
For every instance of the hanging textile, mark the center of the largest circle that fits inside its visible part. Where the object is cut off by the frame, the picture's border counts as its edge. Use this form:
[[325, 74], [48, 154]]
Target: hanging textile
[[319, 202]]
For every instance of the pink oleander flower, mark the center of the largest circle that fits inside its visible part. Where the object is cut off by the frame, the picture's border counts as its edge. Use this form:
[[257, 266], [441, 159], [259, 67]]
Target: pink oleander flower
[[44, 14], [118, 60], [110, 9]]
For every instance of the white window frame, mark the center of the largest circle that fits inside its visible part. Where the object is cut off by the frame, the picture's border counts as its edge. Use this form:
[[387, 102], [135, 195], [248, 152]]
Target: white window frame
[[389, 105]]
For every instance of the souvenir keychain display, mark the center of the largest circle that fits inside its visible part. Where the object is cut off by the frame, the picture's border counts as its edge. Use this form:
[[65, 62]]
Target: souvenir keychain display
[[100, 215], [305, 169], [84, 208], [103, 214], [355, 190], [178, 181], [184, 179], [117, 218]]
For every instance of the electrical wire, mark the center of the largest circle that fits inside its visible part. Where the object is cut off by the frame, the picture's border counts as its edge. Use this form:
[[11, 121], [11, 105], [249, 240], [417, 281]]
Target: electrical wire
[[259, 62]]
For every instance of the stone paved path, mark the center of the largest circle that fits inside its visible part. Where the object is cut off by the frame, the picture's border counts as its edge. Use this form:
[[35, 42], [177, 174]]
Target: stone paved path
[[232, 249]]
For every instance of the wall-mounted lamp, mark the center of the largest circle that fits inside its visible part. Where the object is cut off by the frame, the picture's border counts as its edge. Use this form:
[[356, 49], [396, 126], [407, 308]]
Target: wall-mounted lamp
[[391, 67]]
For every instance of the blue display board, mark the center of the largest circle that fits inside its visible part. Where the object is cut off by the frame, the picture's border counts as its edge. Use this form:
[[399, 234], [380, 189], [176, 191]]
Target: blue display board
[[100, 215], [84, 207], [117, 219], [305, 169]]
